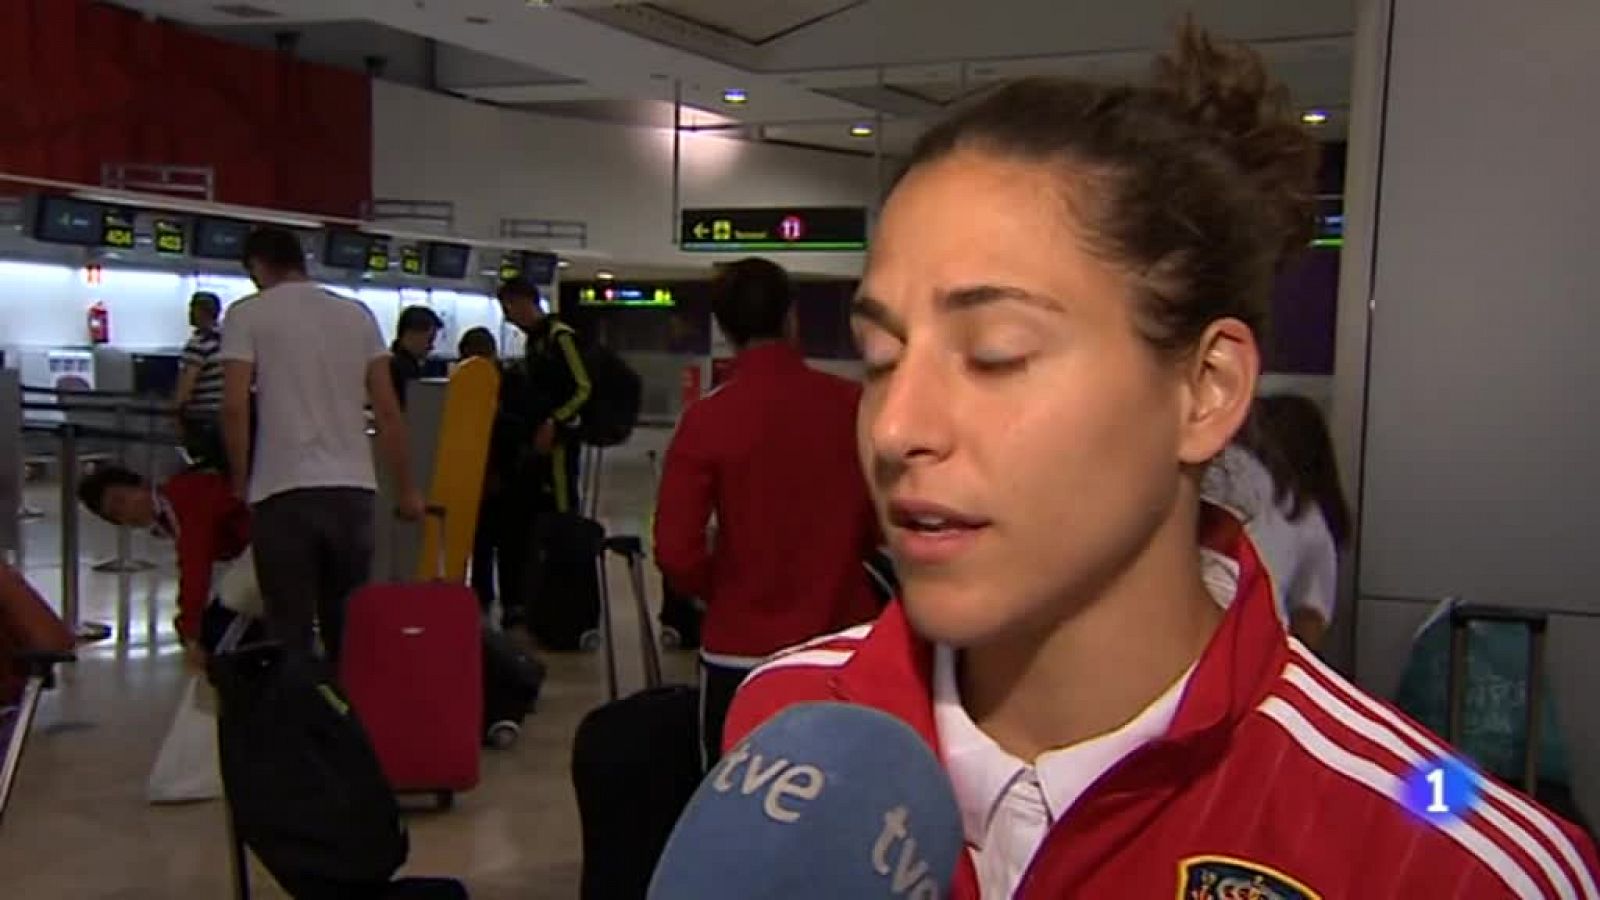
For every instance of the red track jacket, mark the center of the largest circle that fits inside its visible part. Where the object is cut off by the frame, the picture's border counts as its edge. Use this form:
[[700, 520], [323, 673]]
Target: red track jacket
[[772, 452], [209, 524], [1277, 780]]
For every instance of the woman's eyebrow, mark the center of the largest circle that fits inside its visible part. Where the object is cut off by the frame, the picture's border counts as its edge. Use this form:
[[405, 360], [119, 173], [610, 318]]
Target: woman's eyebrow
[[989, 294], [875, 311]]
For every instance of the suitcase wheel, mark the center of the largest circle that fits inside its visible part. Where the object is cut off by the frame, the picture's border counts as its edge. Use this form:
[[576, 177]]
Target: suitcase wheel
[[503, 735], [670, 638], [589, 641]]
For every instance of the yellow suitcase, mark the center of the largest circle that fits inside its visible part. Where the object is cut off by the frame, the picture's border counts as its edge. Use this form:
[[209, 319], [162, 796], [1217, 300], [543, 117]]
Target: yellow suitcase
[[462, 454]]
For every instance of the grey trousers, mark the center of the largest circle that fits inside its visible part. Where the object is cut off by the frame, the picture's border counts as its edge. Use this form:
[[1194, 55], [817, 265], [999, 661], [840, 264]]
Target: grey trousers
[[313, 548]]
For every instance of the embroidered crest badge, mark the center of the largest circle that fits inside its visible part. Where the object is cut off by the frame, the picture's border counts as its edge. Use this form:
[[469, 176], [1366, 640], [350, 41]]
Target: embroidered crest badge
[[1225, 878]]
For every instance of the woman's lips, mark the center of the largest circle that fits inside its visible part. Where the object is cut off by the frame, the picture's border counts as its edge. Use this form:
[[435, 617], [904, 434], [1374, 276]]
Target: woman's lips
[[926, 533]]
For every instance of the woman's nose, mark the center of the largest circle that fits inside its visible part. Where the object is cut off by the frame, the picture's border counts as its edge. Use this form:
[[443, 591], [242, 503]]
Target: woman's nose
[[910, 412]]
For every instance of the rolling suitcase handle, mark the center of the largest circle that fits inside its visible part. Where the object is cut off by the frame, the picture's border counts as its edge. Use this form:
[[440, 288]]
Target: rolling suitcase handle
[[437, 512], [1461, 617], [631, 549]]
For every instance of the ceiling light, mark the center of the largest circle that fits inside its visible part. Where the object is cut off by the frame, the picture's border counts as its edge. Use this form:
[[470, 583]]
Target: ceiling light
[[861, 131], [735, 97], [605, 275], [1314, 117], [563, 263]]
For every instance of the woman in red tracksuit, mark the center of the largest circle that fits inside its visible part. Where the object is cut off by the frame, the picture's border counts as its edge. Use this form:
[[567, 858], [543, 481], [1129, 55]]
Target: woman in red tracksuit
[[1059, 318], [206, 521]]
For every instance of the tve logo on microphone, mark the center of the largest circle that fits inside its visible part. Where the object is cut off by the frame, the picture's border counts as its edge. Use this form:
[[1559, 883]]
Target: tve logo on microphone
[[781, 778], [824, 800]]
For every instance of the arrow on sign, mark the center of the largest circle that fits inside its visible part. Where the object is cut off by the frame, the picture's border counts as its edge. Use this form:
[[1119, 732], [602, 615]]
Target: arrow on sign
[[699, 231]]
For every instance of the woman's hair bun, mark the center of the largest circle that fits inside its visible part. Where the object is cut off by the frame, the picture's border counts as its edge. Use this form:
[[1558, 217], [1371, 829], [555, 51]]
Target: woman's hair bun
[[1226, 90]]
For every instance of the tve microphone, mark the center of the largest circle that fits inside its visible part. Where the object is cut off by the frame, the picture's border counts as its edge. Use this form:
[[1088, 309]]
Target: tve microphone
[[825, 801]]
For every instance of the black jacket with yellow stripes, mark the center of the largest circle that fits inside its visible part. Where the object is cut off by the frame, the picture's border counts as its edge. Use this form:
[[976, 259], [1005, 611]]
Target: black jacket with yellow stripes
[[556, 383]]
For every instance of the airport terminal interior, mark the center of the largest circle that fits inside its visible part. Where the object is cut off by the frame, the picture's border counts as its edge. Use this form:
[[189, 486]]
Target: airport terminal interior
[[613, 159]]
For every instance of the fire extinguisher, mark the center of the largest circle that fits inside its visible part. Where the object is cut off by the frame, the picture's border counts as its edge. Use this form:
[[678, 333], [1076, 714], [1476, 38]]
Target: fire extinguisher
[[99, 323]]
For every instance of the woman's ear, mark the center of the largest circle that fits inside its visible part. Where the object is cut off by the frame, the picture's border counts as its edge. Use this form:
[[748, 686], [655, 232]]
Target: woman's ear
[[1220, 385]]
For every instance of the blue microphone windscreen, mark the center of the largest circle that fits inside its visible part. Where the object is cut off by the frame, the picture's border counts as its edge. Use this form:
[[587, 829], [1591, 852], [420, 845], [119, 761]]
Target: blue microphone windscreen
[[825, 800]]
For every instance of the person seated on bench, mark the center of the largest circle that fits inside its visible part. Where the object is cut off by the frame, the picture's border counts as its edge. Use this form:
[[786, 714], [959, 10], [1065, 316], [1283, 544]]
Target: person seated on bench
[[201, 514]]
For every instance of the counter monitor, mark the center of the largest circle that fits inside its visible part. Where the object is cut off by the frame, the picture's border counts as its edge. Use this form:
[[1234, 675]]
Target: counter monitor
[[220, 238], [448, 260]]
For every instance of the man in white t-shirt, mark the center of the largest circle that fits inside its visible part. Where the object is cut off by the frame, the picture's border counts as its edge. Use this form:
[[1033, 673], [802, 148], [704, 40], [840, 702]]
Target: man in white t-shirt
[[314, 360]]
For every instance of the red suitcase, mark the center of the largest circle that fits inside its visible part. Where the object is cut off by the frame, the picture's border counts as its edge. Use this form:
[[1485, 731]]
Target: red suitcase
[[412, 666]]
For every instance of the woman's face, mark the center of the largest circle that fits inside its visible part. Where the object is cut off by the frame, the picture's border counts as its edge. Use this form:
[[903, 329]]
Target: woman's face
[[1023, 442]]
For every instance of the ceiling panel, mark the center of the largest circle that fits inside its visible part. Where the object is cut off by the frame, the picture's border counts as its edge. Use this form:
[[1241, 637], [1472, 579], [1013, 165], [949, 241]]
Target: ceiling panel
[[755, 21]]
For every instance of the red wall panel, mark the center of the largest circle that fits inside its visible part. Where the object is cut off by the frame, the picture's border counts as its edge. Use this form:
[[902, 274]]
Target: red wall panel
[[83, 84]]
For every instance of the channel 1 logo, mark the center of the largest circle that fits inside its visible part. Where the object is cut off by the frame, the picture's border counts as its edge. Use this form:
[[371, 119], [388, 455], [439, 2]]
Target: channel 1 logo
[[1442, 790]]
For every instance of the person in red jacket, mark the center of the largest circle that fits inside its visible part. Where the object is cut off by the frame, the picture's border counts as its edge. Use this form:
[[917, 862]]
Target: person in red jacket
[[197, 510], [1059, 317], [771, 455]]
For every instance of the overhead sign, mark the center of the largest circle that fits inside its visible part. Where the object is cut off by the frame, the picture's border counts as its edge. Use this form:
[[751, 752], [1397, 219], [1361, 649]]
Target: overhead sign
[[774, 229], [625, 295], [171, 237]]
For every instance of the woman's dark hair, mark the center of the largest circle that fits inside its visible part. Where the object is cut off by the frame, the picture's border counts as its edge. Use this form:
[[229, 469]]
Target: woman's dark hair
[[1288, 433], [476, 341], [1201, 183], [418, 318], [750, 300], [275, 247], [92, 489]]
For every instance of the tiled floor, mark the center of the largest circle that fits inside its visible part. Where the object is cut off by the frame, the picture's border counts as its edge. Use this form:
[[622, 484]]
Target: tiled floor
[[79, 826]]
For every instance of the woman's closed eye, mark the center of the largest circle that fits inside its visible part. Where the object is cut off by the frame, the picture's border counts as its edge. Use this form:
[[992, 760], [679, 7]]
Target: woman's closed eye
[[879, 352], [997, 361]]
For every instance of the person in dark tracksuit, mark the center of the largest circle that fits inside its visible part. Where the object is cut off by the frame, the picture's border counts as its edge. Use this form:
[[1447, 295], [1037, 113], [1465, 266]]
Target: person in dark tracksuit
[[544, 397], [416, 332]]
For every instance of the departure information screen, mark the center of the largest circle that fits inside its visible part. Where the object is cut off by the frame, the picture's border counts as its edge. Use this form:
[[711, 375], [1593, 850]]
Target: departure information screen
[[172, 239], [65, 220], [540, 268], [817, 229], [220, 238], [348, 250], [448, 260]]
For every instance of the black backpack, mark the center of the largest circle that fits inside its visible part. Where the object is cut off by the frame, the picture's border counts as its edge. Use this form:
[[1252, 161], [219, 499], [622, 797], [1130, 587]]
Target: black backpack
[[304, 787], [615, 395]]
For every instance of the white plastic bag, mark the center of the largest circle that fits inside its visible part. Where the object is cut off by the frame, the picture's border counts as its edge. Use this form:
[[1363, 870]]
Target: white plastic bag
[[237, 589], [187, 768]]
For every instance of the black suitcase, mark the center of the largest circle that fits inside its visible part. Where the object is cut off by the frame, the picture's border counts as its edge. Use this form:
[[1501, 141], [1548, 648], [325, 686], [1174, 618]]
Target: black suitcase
[[564, 609], [511, 683], [635, 760]]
